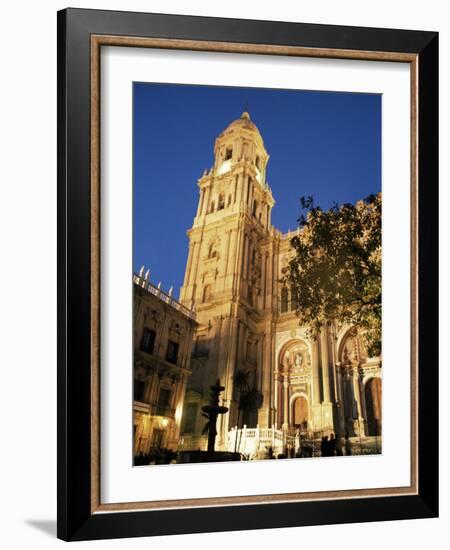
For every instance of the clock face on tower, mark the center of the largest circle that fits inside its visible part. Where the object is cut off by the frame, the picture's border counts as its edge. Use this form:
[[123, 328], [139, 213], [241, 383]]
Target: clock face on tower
[[224, 167]]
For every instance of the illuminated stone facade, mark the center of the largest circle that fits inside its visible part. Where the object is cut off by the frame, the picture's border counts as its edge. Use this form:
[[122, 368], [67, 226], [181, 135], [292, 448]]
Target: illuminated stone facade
[[246, 319], [163, 334]]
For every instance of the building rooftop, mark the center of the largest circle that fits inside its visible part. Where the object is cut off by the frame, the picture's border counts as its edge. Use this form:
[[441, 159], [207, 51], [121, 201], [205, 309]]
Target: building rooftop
[[142, 281]]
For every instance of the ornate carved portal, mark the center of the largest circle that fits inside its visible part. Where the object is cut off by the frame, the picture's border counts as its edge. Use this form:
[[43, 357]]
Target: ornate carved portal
[[295, 371]]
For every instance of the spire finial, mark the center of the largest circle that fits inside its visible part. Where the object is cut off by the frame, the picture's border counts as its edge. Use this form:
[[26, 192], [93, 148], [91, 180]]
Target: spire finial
[[245, 114]]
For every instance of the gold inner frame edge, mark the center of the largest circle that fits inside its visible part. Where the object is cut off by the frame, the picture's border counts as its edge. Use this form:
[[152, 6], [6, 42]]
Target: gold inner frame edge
[[97, 41]]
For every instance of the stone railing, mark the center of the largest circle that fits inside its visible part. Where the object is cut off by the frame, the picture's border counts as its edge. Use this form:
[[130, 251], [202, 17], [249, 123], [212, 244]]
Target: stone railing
[[152, 289], [255, 442]]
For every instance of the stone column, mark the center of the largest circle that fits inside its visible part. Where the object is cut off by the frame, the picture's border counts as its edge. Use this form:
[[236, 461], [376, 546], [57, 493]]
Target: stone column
[[266, 416], [265, 262], [244, 280], [237, 262], [242, 189], [233, 366], [363, 401], [187, 276], [261, 298], [234, 197], [226, 250], [150, 384], [259, 360], [270, 277], [363, 398], [315, 371], [357, 389], [285, 400], [231, 363], [325, 363], [346, 396], [205, 204], [213, 374], [188, 267], [223, 421], [233, 248], [275, 397], [200, 202], [340, 397], [194, 267]]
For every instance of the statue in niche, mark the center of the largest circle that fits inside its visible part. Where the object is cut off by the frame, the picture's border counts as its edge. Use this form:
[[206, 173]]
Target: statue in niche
[[298, 360]]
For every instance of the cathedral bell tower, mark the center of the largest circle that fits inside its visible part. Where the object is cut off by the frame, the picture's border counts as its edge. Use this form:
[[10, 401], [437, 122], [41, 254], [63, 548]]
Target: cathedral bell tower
[[234, 201], [224, 273]]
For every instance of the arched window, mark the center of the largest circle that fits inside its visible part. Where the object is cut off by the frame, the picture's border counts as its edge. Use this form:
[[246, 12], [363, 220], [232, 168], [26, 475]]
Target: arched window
[[284, 301], [221, 203], [207, 293], [257, 162], [148, 340], [255, 207], [228, 153]]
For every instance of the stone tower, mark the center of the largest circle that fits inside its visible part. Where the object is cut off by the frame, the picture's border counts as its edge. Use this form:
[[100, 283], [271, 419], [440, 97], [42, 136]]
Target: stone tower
[[225, 273]]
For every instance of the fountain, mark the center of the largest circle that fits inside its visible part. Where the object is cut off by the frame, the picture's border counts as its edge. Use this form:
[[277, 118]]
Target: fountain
[[210, 412]]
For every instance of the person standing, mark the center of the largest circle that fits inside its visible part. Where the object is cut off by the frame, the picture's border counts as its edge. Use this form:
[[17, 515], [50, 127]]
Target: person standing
[[339, 445], [324, 445], [348, 446], [332, 445]]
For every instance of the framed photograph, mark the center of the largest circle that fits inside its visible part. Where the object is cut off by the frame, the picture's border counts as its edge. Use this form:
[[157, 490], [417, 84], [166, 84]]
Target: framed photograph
[[247, 274]]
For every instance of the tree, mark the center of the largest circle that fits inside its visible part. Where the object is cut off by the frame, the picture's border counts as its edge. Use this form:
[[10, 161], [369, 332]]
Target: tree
[[335, 274], [250, 398]]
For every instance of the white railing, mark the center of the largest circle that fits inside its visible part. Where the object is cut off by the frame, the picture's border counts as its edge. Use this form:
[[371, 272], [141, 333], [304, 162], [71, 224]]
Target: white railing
[[255, 442]]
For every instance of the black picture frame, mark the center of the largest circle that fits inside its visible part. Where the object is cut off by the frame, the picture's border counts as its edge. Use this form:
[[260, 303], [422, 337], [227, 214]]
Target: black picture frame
[[75, 518]]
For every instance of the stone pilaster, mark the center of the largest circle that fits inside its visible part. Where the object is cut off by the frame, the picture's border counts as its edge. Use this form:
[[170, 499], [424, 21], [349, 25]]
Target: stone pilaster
[[325, 354]]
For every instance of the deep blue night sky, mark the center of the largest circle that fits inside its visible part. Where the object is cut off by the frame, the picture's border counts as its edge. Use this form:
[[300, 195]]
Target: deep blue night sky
[[320, 143]]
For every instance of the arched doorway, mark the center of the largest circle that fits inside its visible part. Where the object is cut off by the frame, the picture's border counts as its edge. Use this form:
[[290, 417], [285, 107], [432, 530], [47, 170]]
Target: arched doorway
[[372, 393], [300, 412]]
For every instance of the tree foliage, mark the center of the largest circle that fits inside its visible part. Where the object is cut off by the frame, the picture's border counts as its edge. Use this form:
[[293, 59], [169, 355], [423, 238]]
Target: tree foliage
[[250, 398], [335, 273]]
